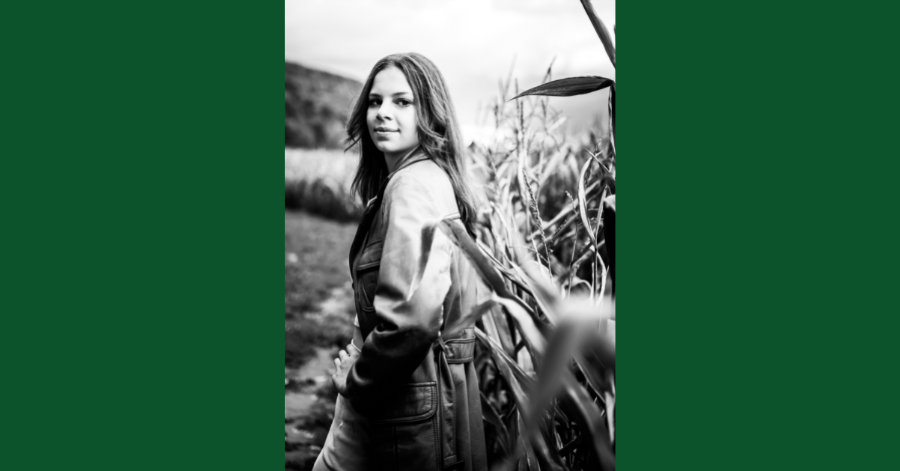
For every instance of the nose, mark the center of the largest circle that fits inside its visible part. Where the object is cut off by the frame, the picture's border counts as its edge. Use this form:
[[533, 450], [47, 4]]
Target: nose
[[383, 112]]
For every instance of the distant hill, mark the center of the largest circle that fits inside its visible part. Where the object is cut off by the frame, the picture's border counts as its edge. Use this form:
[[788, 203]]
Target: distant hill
[[316, 107]]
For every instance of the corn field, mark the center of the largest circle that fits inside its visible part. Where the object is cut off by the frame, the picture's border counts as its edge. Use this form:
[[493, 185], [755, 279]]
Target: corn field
[[545, 244], [319, 181]]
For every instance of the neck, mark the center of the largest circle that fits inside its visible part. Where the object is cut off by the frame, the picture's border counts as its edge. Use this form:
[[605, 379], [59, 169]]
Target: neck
[[394, 161]]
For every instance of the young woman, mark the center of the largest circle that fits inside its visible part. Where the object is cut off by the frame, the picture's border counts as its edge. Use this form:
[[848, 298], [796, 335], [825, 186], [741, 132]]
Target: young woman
[[409, 397]]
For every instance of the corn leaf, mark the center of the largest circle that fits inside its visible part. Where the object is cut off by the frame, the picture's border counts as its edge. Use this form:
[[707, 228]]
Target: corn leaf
[[582, 204], [612, 120], [566, 338], [525, 324], [551, 166], [601, 30], [543, 448], [531, 459], [493, 417], [509, 369], [468, 319], [609, 234], [457, 233], [568, 87], [498, 329], [588, 415]]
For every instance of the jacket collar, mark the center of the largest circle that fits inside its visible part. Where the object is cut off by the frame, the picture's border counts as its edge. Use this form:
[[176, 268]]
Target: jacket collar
[[372, 206], [413, 156]]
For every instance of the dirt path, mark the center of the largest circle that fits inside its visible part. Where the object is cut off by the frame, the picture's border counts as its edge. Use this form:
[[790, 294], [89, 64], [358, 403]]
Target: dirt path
[[308, 392], [318, 320]]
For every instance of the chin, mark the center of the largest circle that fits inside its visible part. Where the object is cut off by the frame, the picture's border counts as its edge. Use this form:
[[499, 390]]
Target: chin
[[391, 147], [387, 148]]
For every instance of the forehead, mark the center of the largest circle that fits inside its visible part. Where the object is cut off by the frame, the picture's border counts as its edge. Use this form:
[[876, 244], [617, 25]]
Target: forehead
[[390, 81]]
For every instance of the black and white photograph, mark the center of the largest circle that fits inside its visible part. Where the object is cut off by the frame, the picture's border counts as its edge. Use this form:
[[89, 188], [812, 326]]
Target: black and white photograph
[[450, 203]]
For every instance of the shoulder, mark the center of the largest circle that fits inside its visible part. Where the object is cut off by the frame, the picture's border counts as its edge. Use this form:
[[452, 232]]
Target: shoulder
[[423, 178], [423, 182], [422, 174]]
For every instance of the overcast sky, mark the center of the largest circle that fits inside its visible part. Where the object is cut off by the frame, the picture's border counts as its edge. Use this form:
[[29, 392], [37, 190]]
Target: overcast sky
[[473, 42]]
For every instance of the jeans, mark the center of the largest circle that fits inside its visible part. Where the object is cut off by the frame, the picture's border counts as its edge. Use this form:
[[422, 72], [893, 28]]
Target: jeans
[[345, 447]]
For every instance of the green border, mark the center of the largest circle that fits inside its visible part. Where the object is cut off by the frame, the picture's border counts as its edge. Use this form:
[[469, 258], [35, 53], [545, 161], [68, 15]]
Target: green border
[[757, 172], [142, 225]]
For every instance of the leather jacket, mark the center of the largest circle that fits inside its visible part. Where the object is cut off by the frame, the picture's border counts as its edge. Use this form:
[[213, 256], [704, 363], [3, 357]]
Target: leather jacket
[[418, 390]]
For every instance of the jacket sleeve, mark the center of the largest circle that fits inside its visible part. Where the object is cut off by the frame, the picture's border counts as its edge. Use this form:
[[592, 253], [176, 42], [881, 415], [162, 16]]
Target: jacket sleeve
[[413, 280]]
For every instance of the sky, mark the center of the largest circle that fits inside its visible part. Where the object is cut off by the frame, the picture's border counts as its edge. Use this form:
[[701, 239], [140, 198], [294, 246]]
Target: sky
[[474, 43]]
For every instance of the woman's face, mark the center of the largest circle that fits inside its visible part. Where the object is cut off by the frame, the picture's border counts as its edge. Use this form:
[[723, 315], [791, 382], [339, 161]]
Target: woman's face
[[391, 117]]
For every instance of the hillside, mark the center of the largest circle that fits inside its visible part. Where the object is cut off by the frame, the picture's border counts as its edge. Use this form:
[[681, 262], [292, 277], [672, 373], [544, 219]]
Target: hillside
[[316, 107]]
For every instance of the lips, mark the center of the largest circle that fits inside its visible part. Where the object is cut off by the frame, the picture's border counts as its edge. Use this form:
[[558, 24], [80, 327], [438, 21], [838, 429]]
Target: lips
[[384, 133]]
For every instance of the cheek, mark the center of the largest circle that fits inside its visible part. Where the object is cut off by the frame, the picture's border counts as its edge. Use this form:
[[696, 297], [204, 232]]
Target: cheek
[[411, 120]]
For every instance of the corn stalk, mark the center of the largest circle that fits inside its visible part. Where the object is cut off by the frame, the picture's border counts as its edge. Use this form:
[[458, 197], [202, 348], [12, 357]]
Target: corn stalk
[[546, 358]]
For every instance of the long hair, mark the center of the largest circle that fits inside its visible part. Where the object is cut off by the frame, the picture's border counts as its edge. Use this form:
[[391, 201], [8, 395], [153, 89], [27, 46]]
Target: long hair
[[438, 132]]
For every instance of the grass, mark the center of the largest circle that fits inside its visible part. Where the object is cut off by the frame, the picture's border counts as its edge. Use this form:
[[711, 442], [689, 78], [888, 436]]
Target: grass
[[318, 181], [315, 270]]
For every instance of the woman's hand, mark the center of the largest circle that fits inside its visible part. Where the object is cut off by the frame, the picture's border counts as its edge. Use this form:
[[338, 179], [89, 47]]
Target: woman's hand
[[346, 359]]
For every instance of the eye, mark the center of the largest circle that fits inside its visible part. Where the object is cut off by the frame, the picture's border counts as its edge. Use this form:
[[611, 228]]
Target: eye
[[404, 102], [374, 102]]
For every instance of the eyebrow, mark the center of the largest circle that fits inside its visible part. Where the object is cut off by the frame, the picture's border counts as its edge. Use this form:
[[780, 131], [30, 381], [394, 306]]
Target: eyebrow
[[396, 94]]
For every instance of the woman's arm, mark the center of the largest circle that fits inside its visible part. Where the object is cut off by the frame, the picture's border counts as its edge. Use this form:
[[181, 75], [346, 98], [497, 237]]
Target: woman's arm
[[413, 280]]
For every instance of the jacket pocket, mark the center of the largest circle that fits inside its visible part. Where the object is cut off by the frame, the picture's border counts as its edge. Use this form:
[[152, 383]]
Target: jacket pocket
[[367, 275], [404, 432]]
